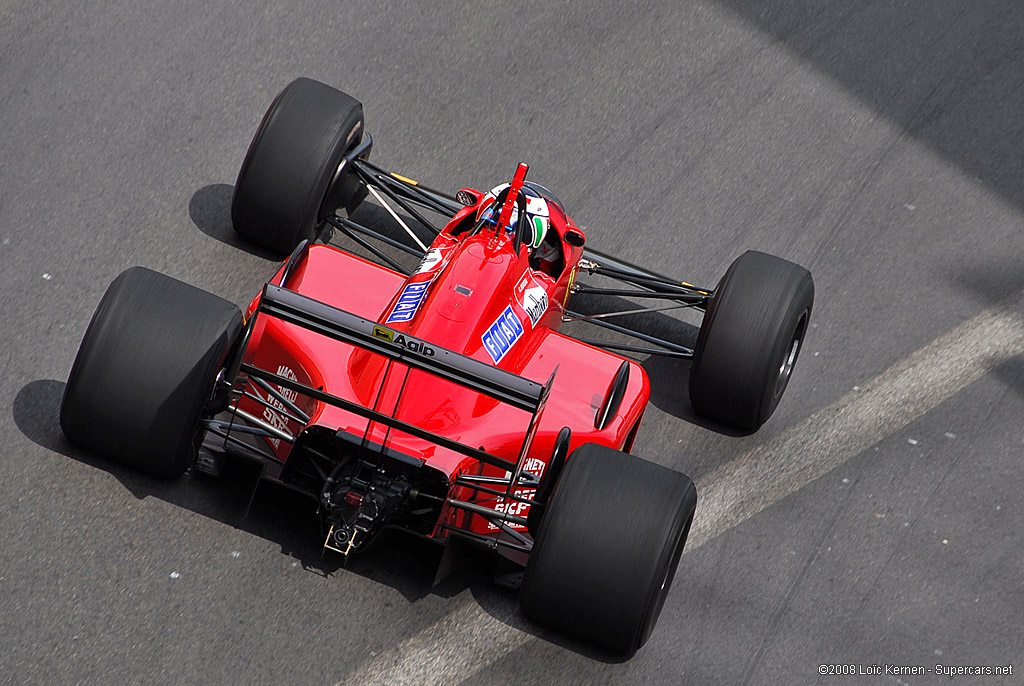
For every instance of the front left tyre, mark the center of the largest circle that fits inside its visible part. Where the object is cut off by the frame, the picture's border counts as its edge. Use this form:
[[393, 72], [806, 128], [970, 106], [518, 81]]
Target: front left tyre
[[289, 180], [145, 371]]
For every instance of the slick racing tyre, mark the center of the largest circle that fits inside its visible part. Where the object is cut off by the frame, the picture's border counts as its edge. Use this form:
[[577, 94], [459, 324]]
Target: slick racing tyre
[[750, 339], [285, 185], [146, 369], [607, 548]]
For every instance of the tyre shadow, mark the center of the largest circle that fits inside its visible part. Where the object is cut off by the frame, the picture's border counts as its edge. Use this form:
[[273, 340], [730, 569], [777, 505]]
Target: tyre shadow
[[240, 499], [502, 605], [210, 210]]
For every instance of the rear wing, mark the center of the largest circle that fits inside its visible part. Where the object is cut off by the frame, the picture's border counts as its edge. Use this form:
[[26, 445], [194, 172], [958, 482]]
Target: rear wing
[[332, 322]]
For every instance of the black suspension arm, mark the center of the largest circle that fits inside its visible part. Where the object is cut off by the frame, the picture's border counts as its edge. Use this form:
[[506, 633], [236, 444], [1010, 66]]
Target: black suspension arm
[[342, 223], [344, 228], [688, 298], [428, 197], [681, 354], [379, 181], [635, 334]]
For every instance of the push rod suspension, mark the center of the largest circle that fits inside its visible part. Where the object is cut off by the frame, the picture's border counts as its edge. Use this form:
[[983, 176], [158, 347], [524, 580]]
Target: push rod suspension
[[428, 198]]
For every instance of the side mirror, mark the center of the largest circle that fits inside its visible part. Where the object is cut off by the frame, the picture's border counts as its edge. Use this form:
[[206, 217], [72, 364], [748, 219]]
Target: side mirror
[[574, 238], [468, 196]]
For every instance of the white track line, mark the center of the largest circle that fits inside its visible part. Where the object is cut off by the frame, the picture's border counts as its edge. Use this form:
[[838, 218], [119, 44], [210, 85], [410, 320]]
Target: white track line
[[469, 640], [828, 438]]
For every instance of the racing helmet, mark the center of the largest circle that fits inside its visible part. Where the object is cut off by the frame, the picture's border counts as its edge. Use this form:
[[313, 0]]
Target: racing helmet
[[538, 216]]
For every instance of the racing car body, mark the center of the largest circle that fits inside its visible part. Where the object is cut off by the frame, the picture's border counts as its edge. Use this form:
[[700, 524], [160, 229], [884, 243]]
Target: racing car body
[[474, 298], [441, 399], [470, 295]]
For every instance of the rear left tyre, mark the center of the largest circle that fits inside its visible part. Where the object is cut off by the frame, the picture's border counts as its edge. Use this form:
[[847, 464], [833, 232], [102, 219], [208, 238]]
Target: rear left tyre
[[607, 548], [286, 185], [145, 371]]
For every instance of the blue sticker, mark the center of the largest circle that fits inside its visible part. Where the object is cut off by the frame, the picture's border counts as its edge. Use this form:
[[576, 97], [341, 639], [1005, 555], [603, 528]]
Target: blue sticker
[[408, 302], [502, 334]]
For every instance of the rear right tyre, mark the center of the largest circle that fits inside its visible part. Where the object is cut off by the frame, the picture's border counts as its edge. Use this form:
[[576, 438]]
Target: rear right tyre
[[607, 548]]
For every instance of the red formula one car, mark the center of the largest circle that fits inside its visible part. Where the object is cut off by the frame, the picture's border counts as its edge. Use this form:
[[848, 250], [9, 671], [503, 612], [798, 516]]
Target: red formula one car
[[440, 399]]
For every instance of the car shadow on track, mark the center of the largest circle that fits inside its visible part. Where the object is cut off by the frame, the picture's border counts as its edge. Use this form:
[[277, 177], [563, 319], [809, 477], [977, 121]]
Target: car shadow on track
[[240, 499], [210, 211], [395, 559]]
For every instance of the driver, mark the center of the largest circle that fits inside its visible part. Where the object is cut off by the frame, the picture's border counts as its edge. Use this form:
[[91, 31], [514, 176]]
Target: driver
[[536, 212], [543, 253]]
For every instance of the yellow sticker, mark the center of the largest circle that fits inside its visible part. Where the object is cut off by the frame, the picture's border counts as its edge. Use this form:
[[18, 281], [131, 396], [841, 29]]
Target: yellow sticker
[[409, 181], [568, 288], [384, 333]]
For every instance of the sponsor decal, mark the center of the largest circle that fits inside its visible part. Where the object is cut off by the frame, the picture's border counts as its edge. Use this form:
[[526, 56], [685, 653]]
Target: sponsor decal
[[532, 298], [408, 302], [414, 345], [429, 261], [502, 334], [407, 342], [535, 466], [271, 414], [514, 508]]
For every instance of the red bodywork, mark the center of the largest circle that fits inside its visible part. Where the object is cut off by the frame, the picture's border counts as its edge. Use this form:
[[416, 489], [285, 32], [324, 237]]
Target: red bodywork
[[460, 290]]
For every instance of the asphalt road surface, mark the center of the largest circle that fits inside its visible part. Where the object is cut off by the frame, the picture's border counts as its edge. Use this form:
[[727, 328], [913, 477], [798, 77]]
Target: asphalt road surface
[[874, 522]]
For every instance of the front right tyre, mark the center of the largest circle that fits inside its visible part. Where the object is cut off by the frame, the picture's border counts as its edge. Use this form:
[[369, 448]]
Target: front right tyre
[[750, 339]]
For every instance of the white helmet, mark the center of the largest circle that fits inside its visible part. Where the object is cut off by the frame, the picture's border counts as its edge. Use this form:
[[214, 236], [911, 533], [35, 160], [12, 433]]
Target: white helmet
[[537, 214]]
